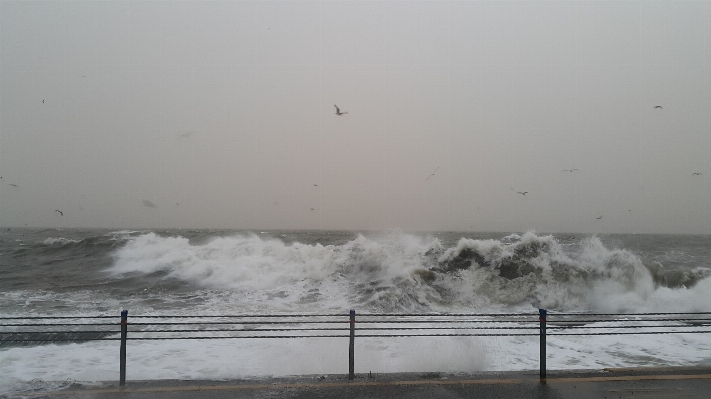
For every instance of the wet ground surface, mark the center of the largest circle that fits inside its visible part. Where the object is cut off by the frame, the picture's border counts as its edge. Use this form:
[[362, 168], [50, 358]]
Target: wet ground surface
[[658, 383]]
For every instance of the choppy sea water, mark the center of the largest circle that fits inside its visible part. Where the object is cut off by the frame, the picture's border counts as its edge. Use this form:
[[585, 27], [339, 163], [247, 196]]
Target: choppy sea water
[[196, 272]]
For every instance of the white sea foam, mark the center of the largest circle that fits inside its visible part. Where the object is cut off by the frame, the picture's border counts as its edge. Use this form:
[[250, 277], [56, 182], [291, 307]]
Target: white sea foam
[[269, 268], [245, 358], [401, 272], [59, 241]]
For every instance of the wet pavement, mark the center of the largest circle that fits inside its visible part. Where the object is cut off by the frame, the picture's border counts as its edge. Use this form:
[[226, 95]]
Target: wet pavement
[[657, 383]]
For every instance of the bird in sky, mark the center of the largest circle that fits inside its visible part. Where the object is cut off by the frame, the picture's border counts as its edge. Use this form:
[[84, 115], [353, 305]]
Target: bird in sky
[[696, 174], [60, 212], [338, 111], [658, 106], [522, 192], [599, 217], [14, 185], [433, 173], [568, 170]]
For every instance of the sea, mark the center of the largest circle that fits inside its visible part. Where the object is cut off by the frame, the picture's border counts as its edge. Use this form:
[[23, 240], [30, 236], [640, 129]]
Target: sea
[[89, 272]]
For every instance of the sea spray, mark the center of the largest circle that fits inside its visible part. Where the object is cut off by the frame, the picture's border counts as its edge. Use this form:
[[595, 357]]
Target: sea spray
[[404, 272], [192, 272]]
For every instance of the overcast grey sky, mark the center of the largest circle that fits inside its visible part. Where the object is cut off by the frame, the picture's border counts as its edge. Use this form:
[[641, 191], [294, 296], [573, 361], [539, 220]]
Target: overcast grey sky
[[221, 115]]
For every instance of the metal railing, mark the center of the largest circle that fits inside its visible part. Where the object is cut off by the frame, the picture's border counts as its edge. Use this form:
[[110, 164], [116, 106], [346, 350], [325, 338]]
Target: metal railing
[[25, 331]]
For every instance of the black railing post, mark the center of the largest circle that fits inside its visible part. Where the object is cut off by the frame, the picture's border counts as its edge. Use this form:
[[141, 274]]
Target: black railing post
[[542, 319], [124, 330], [351, 362]]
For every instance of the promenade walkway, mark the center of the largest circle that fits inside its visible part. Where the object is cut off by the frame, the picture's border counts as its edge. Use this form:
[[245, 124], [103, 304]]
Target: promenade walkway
[[657, 383]]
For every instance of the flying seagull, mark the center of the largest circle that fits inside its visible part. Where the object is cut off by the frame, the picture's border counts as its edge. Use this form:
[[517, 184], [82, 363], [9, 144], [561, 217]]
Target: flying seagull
[[568, 170], [433, 173], [60, 212], [598, 218], [338, 111], [658, 106], [522, 192], [696, 174], [14, 185]]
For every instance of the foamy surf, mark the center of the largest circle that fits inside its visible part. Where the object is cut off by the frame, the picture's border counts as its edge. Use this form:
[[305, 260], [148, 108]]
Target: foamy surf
[[84, 273], [401, 272]]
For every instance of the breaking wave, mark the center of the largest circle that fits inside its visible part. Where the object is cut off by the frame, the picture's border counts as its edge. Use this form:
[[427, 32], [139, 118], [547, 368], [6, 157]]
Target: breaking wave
[[59, 241], [405, 272]]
